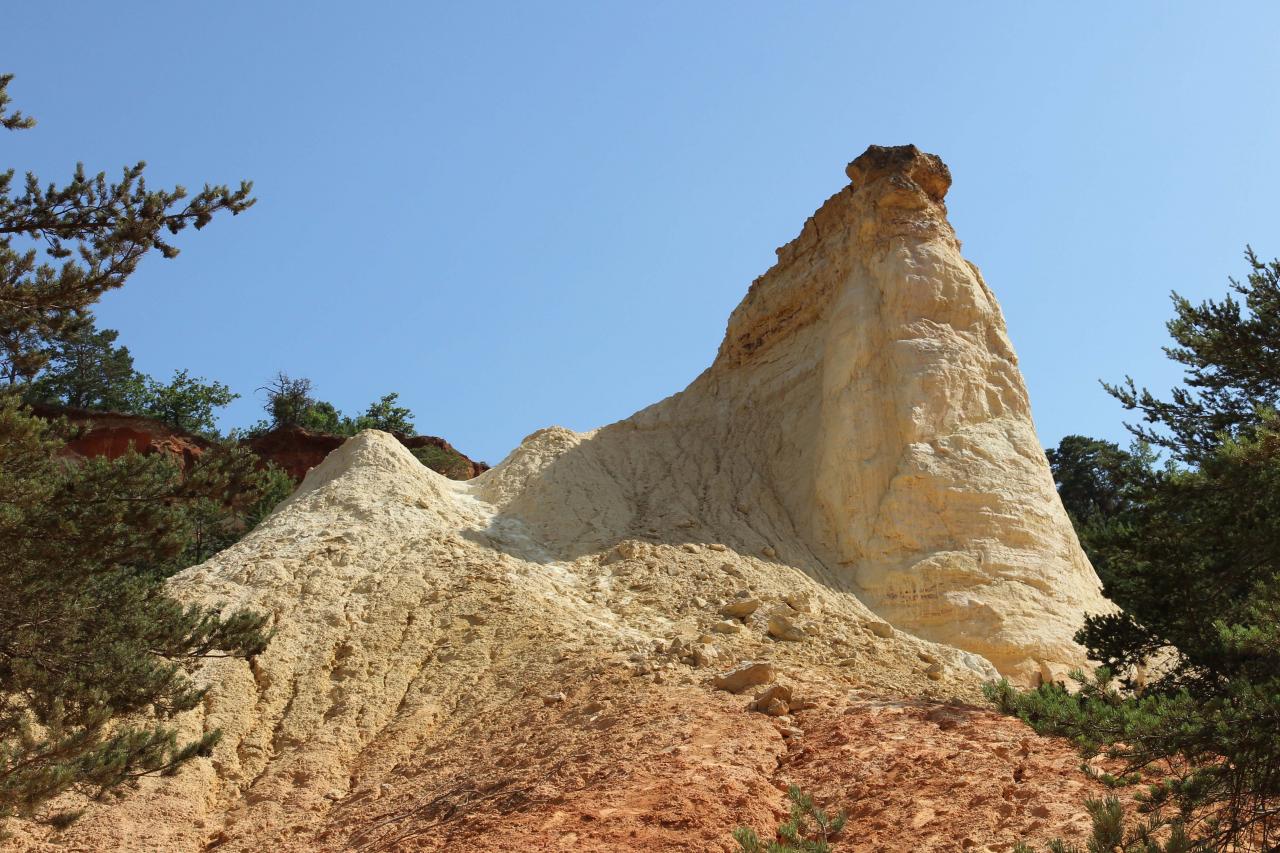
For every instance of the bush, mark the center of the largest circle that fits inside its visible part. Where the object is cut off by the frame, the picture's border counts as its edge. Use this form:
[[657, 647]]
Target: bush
[[446, 462], [809, 829], [1110, 834]]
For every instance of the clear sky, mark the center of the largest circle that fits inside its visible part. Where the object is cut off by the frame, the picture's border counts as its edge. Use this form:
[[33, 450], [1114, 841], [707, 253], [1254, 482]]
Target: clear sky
[[526, 214]]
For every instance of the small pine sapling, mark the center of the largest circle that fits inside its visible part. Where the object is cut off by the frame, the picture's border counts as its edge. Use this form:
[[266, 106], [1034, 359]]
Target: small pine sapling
[[808, 830], [1109, 834]]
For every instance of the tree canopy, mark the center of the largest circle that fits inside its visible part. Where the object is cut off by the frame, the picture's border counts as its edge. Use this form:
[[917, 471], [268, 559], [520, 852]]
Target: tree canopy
[[1190, 551], [93, 232], [93, 650], [291, 403], [1232, 367], [186, 402], [84, 369], [387, 416]]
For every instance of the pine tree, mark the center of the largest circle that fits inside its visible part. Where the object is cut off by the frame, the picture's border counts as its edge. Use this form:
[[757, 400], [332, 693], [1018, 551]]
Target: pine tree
[[216, 521], [93, 651], [90, 643], [86, 370], [1190, 551], [808, 829], [97, 231], [1097, 480], [386, 416], [1111, 834], [1232, 367]]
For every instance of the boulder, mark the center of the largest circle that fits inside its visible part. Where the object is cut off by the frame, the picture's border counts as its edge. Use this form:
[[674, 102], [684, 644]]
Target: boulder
[[881, 629], [783, 627], [748, 674], [740, 609]]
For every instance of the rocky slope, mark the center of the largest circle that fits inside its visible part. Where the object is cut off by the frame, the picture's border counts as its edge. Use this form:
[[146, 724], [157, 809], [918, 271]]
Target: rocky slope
[[852, 497]]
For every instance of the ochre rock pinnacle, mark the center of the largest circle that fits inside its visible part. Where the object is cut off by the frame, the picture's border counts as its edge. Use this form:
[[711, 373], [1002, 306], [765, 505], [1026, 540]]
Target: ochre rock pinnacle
[[927, 171]]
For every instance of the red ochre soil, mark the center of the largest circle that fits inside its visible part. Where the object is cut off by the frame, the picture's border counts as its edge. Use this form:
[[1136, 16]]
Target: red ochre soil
[[924, 776], [296, 450]]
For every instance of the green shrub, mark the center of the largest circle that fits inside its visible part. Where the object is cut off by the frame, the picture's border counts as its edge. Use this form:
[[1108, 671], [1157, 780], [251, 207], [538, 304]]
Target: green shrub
[[449, 463], [1110, 834], [808, 830]]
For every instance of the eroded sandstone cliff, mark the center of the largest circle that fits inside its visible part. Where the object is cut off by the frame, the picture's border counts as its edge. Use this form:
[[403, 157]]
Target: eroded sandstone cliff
[[853, 492], [865, 418]]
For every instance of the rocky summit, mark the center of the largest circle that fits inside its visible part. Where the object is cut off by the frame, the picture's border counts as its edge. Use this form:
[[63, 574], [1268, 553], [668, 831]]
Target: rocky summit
[[800, 569]]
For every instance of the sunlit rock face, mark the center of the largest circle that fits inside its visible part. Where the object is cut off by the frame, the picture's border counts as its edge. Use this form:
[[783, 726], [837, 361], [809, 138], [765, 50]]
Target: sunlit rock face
[[865, 420], [907, 453], [853, 494]]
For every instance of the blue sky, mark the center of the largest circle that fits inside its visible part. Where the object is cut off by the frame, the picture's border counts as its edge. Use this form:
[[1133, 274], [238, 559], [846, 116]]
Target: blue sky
[[526, 214]]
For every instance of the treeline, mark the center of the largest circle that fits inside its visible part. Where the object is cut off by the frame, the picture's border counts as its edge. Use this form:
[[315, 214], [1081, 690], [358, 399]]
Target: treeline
[[290, 403], [228, 490], [81, 366]]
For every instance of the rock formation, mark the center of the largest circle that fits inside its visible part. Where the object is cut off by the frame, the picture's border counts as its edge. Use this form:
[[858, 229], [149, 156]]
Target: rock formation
[[113, 434], [293, 449], [865, 416], [297, 451], [849, 504]]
